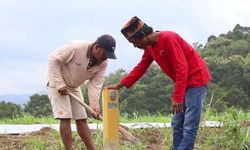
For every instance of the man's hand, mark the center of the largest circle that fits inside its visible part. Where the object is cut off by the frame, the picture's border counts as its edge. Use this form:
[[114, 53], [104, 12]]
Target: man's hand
[[177, 107], [116, 86], [96, 114], [63, 90]]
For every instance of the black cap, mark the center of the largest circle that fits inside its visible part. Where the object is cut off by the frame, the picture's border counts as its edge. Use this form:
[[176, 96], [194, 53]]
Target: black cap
[[107, 42]]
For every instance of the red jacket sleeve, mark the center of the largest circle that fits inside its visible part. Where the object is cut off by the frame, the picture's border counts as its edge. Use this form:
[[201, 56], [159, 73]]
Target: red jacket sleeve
[[180, 68], [139, 70]]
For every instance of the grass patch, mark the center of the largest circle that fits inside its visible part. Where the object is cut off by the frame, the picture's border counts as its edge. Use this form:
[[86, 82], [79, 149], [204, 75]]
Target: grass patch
[[145, 118], [209, 114], [29, 119], [235, 134]]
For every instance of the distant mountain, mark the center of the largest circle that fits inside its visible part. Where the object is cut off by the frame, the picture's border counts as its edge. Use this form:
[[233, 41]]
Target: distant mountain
[[18, 98]]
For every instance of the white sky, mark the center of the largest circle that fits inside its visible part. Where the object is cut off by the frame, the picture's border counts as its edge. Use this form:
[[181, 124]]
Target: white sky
[[31, 29]]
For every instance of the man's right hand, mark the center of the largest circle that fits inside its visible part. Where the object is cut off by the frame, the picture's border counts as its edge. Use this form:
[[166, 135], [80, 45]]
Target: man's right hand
[[63, 90], [96, 113], [116, 86], [177, 107]]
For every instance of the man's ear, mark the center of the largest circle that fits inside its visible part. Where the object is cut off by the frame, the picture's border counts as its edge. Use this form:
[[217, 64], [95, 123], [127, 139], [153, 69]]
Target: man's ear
[[97, 45]]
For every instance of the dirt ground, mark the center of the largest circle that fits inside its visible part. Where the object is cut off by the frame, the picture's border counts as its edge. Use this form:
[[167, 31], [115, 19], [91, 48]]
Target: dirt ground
[[14, 141], [151, 137]]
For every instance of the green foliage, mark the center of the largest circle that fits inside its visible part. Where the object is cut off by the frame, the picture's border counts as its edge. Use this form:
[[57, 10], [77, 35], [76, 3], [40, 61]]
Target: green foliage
[[39, 105], [8, 110], [25, 118], [211, 38], [147, 117], [149, 95], [228, 59], [233, 135], [84, 89], [36, 143], [197, 46], [239, 47], [230, 79], [215, 99], [236, 42], [115, 77], [48, 139], [233, 128]]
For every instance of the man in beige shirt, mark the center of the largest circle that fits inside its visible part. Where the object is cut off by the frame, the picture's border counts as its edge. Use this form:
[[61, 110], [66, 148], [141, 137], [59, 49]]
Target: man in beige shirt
[[68, 68]]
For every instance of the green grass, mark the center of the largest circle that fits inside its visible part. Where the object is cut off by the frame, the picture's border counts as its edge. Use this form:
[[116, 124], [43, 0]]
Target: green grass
[[209, 114], [36, 143], [28, 119], [233, 135], [145, 118]]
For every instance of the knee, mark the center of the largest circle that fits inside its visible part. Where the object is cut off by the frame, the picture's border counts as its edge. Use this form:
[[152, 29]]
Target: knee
[[177, 122], [81, 121], [65, 121], [191, 131], [65, 124]]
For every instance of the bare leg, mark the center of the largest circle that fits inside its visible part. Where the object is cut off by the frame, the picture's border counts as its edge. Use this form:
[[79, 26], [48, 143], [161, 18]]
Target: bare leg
[[84, 132], [65, 130]]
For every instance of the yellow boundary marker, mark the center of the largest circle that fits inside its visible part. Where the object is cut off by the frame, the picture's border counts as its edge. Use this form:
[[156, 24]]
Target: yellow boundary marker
[[110, 107]]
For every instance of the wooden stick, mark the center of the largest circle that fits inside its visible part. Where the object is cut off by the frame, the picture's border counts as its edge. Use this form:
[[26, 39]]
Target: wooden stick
[[124, 132]]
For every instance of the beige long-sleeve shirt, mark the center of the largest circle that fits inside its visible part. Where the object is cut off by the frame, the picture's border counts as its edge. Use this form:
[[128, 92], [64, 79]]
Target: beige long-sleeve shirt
[[67, 66]]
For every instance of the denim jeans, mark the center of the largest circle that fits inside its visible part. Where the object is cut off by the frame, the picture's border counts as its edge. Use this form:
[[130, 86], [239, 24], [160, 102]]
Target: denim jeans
[[185, 124]]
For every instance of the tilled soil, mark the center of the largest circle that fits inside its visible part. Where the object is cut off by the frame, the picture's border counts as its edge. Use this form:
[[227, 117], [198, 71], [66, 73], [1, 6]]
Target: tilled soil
[[15, 141], [150, 137]]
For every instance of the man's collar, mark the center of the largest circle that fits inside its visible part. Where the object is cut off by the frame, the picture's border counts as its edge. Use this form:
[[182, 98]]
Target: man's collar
[[89, 50]]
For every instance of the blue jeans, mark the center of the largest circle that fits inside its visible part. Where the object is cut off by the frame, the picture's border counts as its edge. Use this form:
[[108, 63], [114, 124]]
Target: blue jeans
[[185, 124]]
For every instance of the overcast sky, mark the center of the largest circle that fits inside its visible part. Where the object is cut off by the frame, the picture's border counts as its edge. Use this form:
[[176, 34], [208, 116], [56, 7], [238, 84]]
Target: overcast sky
[[31, 29]]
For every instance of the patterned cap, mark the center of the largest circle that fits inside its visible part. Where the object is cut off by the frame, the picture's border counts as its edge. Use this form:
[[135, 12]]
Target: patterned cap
[[132, 27]]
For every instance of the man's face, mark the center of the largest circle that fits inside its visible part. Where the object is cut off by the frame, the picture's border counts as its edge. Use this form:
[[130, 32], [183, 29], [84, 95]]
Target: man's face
[[141, 44], [98, 53]]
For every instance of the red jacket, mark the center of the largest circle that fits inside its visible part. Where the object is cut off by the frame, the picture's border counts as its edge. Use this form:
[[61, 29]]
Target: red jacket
[[179, 60]]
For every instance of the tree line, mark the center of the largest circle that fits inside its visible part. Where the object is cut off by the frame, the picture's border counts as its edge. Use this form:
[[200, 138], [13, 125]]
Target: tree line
[[227, 56]]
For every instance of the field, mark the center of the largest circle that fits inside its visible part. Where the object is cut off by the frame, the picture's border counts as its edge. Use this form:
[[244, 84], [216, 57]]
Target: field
[[233, 135]]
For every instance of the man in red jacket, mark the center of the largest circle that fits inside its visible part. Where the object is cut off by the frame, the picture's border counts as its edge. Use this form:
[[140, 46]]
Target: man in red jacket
[[182, 63]]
